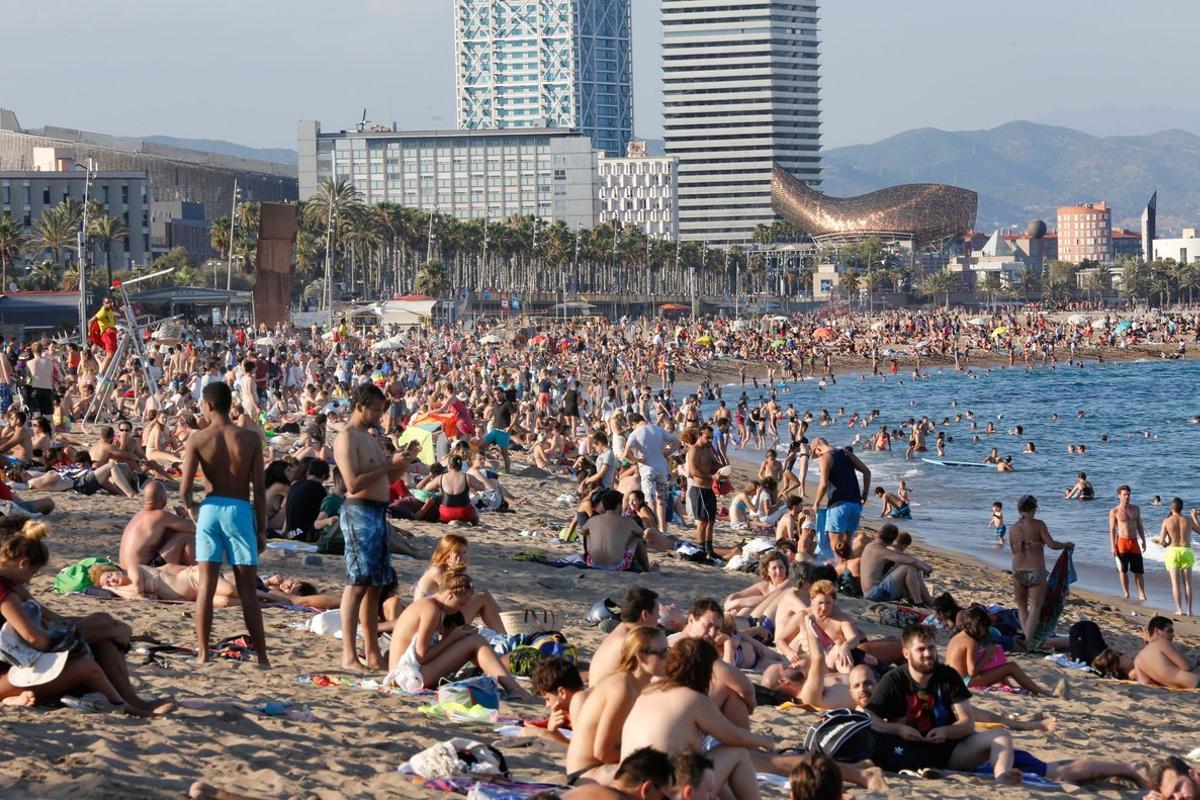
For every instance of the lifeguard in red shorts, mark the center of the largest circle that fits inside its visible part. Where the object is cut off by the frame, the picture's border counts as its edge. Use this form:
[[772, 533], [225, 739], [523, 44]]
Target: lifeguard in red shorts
[[102, 332]]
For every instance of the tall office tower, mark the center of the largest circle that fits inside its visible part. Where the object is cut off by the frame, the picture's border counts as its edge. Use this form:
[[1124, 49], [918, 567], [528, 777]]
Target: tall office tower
[[739, 94], [546, 64]]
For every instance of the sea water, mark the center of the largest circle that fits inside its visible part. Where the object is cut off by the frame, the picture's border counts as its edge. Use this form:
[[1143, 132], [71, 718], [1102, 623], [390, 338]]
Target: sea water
[[1144, 407]]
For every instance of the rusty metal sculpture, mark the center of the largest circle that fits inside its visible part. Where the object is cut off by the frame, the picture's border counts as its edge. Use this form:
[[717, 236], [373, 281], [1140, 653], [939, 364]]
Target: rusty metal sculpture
[[928, 214]]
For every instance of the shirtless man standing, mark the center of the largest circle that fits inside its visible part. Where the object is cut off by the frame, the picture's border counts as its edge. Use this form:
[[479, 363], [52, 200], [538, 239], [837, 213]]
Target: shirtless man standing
[[364, 467], [1159, 663], [226, 524], [155, 536], [1176, 536], [1125, 531], [701, 463]]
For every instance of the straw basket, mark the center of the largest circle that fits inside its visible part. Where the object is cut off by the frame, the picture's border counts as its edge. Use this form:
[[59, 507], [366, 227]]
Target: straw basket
[[528, 620]]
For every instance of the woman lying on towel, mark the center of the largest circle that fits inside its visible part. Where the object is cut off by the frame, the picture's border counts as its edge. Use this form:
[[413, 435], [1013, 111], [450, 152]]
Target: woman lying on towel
[[175, 582]]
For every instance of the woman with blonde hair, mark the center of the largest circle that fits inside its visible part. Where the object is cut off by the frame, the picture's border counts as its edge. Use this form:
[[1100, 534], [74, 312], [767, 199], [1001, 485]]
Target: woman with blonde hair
[[49, 659], [595, 748], [451, 554]]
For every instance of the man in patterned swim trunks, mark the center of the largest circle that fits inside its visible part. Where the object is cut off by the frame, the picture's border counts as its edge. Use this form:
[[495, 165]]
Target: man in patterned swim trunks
[[226, 525], [364, 522]]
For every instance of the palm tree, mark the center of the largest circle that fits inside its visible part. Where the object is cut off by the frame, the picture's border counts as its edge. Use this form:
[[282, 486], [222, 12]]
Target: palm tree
[[334, 201], [940, 283], [55, 231], [988, 287], [849, 283], [13, 241], [46, 275], [106, 230], [433, 280], [1096, 282], [218, 236], [1186, 276], [1027, 279], [873, 280]]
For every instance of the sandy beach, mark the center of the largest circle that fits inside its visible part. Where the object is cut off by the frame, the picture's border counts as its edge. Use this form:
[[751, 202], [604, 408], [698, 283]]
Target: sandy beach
[[358, 738]]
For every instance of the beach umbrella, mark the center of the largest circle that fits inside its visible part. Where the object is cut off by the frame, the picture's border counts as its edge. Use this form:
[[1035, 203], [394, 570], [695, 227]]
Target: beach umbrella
[[1058, 586], [539, 339], [705, 339], [1003, 329], [491, 338], [1077, 319], [391, 343], [777, 343], [431, 437], [978, 322], [1123, 326], [822, 333], [878, 325]]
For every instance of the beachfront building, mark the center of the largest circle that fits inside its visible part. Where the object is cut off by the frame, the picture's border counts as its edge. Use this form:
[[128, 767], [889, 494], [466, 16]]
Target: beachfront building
[[1085, 233], [546, 64], [175, 173], [25, 195], [1185, 249], [740, 96], [640, 190], [997, 256], [548, 173]]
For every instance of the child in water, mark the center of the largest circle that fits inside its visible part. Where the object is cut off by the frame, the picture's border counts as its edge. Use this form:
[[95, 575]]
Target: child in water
[[997, 522]]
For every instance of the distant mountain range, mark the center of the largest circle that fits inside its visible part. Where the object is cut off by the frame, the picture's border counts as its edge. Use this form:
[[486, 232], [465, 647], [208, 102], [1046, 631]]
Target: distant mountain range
[[1025, 170], [277, 155]]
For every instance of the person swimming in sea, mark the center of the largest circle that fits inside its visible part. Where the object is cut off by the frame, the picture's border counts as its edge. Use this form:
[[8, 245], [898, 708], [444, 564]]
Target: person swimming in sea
[[1082, 490]]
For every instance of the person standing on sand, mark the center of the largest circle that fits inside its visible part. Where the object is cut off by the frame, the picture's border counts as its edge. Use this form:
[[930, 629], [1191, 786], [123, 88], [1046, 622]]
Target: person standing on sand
[[846, 501], [1124, 524], [701, 465], [364, 523], [1176, 536], [1029, 538], [226, 524]]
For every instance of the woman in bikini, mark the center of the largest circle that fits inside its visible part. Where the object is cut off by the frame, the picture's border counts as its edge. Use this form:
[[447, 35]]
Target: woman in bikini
[[980, 661], [451, 554], [1028, 537]]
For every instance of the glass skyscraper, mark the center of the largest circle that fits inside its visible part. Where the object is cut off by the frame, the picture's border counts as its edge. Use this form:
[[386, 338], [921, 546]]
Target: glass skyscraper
[[740, 94], [546, 63]]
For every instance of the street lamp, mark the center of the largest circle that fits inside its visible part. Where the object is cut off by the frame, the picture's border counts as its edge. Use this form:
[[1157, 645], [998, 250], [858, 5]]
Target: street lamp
[[229, 271], [80, 239]]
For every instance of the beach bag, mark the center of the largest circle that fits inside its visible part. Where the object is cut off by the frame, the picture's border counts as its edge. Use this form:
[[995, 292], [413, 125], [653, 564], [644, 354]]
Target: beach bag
[[74, 577], [479, 691], [843, 735], [331, 542], [848, 585], [552, 644], [458, 756], [896, 616]]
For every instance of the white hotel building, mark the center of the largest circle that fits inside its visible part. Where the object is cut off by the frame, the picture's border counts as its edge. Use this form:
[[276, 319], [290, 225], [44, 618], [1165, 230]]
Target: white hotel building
[[740, 92], [641, 191]]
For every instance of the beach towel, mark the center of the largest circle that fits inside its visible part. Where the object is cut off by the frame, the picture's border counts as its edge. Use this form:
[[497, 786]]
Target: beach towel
[[1058, 586], [1063, 660], [74, 577], [347, 682]]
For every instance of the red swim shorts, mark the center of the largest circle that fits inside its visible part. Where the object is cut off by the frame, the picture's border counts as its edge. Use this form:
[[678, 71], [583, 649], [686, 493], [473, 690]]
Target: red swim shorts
[[109, 340]]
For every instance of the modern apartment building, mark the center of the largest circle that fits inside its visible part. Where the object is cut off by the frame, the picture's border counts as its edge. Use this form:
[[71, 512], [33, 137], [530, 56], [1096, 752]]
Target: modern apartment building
[[546, 173], [1185, 249], [1085, 233], [546, 64], [640, 190], [27, 194], [740, 94]]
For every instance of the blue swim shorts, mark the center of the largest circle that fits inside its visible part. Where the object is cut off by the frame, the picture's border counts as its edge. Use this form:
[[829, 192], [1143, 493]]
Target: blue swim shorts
[[368, 556], [225, 530], [500, 438], [843, 518]]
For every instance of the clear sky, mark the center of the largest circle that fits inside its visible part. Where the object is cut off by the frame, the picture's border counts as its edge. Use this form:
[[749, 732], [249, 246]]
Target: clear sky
[[246, 70]]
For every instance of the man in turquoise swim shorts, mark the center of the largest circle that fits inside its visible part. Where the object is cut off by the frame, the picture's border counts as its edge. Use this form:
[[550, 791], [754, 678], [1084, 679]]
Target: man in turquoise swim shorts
[[227, 526], [846, 500]]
